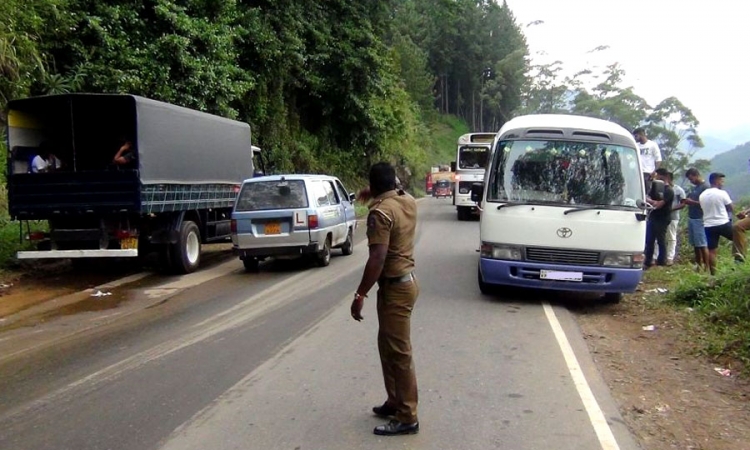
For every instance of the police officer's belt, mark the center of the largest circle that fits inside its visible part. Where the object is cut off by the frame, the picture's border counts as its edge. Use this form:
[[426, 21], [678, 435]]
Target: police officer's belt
[[395, 280]]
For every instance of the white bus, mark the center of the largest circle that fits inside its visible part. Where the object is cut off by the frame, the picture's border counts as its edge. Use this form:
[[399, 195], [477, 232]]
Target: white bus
[[471, 161], [562, 207]]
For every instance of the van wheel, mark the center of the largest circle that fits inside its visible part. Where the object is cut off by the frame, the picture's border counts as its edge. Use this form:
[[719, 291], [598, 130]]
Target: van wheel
[[348, 247], [462, 214], [612, 298], [186, 253], [251, 264], [324, 256]]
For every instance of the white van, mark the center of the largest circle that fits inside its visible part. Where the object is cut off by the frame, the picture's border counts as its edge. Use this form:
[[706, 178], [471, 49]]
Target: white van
[[562, 207]]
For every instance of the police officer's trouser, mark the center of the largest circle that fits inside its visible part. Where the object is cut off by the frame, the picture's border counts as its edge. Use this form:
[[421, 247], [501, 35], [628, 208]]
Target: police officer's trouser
[[395, 304]]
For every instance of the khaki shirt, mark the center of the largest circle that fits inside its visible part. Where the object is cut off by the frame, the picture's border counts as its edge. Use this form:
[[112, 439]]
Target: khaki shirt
[[393, 221]]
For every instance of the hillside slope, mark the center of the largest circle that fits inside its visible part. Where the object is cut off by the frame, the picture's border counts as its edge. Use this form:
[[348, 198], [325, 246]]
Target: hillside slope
[[735, 164]]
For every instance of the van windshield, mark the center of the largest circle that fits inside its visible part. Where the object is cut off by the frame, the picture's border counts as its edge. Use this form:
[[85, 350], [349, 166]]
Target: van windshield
[[562, 172], [470, 157], [266, 195]]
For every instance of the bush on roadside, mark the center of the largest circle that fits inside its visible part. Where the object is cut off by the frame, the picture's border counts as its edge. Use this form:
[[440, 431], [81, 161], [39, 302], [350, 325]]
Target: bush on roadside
[[723, 305]]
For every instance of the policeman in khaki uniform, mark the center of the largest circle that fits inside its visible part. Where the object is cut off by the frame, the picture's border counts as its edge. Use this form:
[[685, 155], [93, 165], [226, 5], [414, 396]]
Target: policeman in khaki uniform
[[391, 226]]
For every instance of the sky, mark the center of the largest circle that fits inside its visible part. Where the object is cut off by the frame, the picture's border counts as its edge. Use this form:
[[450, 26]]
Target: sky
[[690, 49]]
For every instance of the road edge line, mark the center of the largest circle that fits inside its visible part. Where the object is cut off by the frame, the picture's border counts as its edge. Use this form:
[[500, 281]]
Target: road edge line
[[602, 429]]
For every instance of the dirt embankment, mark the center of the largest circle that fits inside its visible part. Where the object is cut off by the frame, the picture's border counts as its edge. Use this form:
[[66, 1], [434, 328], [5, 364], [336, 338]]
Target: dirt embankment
[[670, 395]]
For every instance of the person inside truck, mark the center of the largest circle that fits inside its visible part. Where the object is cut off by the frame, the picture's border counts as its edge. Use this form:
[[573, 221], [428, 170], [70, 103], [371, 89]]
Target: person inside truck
[[125, 156], [45, 161]]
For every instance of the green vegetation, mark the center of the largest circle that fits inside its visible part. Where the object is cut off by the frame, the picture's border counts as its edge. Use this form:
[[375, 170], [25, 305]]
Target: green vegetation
[[719, 318], [723, 308], [327, 85]]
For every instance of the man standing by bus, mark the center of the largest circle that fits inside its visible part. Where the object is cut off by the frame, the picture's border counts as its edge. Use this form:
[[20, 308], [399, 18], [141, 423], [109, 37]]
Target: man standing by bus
[[717, 207], [650, 156], [658, 220], [696, 231]]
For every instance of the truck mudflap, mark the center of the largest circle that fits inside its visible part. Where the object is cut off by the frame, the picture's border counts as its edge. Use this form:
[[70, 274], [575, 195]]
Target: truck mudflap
[[53, 254]]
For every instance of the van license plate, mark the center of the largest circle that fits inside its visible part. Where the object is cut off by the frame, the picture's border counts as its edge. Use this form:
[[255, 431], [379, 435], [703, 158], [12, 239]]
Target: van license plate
[[129, 243], [560, 276], [272, 228]]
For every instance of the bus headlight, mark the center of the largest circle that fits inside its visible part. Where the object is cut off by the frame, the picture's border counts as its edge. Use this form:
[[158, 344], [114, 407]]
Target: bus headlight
[[629, 260], [501, 251]]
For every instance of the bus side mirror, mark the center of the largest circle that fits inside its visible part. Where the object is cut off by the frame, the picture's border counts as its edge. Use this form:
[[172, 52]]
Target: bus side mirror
[[477, 192], [657, 190], [453, 166]]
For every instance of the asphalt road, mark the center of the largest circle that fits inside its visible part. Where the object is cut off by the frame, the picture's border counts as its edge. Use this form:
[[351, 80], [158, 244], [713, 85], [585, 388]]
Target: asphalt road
[[221, 359]]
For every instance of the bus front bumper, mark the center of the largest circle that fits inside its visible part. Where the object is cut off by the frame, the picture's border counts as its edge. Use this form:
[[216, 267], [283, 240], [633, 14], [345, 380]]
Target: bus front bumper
[[582, 278]]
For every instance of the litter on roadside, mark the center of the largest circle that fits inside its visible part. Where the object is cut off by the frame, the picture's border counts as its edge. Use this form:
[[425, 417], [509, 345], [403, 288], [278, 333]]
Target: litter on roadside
[[649, 328], [100, 294], [723, 372], [6, 285], [658, 290]]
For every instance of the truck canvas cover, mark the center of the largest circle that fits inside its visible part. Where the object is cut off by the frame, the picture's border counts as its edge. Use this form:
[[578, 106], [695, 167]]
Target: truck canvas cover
[[184, 159]]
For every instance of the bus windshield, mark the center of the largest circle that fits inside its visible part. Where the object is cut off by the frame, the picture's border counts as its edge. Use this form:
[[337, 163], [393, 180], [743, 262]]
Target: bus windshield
[[472, 157], [569, 173]]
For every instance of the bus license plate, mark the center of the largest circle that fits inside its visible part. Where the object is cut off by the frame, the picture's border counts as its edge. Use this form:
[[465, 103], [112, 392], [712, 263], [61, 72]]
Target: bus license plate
[[560, 276], [272, 228]]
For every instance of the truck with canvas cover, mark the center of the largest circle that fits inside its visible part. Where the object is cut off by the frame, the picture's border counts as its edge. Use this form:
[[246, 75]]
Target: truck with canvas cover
[[123, 176]]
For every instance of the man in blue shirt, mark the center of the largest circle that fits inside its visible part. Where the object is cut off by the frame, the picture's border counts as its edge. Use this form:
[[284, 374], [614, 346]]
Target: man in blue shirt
[[696, 231]]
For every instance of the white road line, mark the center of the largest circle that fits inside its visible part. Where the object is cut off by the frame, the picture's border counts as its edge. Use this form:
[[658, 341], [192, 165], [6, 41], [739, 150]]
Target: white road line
[[596, 416]]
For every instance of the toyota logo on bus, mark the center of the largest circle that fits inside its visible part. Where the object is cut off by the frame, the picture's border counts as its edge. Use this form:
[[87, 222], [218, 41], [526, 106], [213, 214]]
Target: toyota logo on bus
[[564, 232]]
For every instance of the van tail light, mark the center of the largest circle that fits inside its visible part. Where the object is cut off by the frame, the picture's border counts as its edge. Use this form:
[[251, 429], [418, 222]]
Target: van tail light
[[35, 236], [312, 221], [233, 226]]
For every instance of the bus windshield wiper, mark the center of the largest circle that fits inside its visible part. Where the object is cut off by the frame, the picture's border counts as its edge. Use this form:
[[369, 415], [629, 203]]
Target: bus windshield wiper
[[509, 204], [582, 208]]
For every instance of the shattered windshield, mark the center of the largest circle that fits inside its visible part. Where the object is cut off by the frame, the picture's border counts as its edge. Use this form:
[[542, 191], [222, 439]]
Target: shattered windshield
[[560, 172]]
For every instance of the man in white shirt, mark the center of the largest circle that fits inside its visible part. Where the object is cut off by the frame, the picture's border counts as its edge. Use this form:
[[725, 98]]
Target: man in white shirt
[[45, 161], [650, 156], [717, 207]]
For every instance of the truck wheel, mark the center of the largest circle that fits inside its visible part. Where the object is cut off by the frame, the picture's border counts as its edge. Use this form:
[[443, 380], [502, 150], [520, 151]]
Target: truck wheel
[[186, 253], [251, 264], [324, 256], [348, 247], [462, 214]]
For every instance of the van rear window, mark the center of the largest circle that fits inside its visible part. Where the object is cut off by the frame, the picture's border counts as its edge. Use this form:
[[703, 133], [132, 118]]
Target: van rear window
[[266, 195]]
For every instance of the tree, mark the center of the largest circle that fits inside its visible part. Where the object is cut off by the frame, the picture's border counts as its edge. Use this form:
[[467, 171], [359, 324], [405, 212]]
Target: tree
[[672, 125]]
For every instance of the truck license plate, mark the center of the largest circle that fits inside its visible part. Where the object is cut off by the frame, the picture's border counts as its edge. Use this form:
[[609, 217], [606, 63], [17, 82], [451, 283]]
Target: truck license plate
[[560, 276], [272, 228], [129, 243]]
